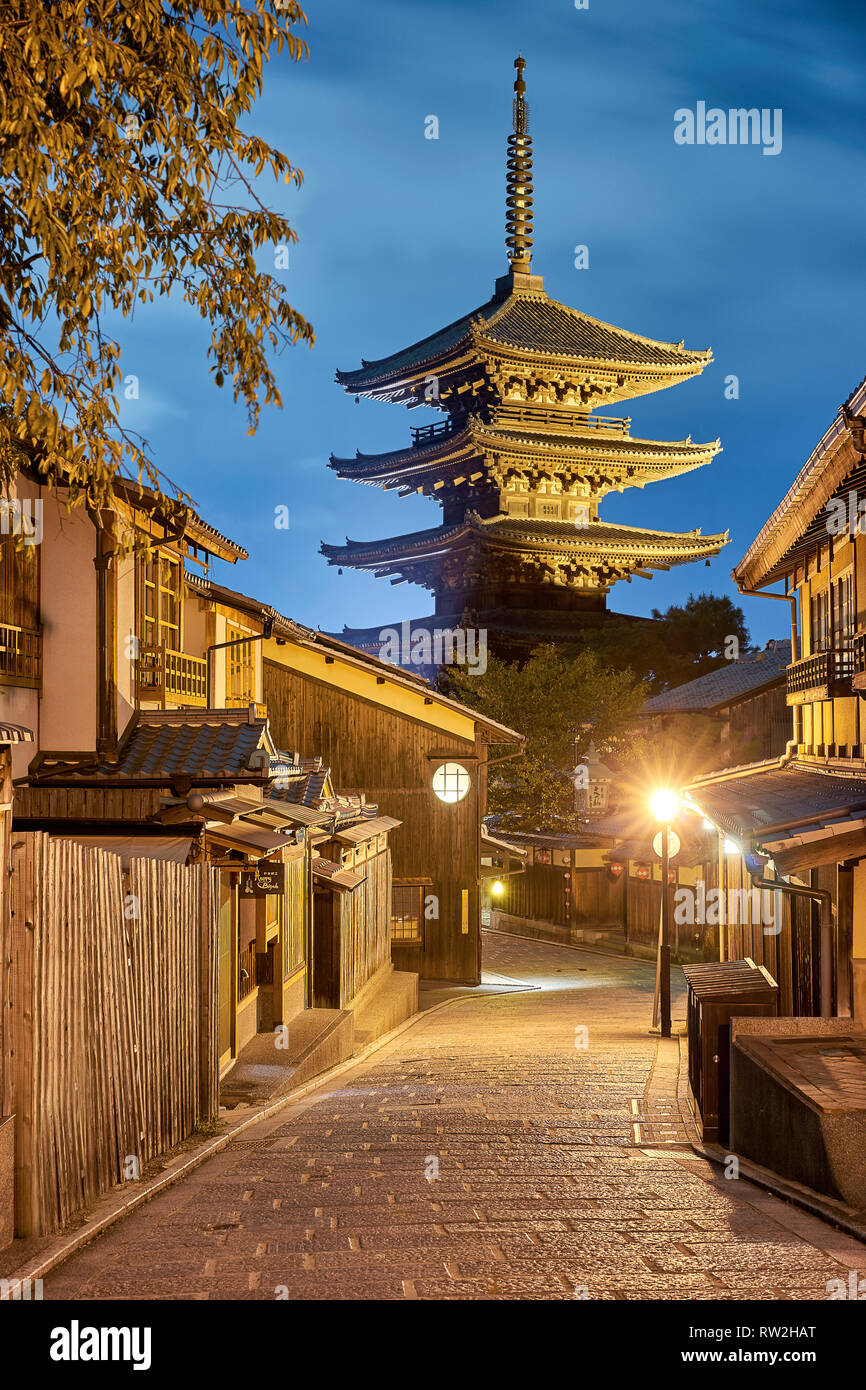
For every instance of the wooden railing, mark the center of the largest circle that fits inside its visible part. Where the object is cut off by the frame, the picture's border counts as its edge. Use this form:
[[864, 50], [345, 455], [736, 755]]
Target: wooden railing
[[20, 656], [425, 434], [820, 676], [163, 672], [858, 681]]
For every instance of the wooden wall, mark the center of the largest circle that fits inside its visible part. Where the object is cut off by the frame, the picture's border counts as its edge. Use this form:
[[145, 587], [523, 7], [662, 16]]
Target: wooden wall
[[365, 926], [108, 990], [383, 754]]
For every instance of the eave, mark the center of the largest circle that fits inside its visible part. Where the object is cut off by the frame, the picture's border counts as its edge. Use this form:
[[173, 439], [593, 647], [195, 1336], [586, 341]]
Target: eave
[[840, 450]]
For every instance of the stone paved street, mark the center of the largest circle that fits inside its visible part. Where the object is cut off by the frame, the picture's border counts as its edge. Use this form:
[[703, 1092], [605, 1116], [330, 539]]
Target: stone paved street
[[553, 1175]]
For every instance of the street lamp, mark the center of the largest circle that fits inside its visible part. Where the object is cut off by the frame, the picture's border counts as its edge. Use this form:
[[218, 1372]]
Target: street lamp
[[663, 804]]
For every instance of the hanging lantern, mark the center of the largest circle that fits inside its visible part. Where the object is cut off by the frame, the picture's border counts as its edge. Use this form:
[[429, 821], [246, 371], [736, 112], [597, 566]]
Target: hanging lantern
[[642, 871], [615, 869], [592, 779]]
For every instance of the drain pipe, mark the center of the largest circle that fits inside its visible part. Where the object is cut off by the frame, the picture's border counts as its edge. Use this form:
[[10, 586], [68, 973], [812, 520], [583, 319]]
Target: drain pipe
[[822, 896], [792, 600]]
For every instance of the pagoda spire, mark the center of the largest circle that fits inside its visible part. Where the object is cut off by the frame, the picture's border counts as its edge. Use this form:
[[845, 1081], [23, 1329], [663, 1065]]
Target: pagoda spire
[[518, 183]]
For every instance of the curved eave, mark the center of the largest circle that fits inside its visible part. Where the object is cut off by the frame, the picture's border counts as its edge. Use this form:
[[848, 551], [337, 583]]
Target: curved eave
[[838, 451], [590, 452], [645, 549]]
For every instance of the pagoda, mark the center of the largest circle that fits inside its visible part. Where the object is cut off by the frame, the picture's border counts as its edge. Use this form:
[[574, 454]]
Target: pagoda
[[522, 459]]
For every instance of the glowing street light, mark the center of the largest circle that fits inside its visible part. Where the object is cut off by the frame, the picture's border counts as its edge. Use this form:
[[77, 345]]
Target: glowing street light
[[498, 888], [663, 804]]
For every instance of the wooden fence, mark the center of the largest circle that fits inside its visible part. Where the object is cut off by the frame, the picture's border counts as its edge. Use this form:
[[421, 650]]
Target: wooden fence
[[108, 1017]]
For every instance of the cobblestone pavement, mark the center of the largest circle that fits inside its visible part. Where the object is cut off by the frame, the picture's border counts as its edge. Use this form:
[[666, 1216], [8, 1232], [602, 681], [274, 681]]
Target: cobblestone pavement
[[554, 1181]]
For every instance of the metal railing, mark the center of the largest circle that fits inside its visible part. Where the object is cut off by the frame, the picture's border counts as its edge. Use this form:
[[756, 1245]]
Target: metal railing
[[819, 676], [247, 970], [20, 656], [163, 672]]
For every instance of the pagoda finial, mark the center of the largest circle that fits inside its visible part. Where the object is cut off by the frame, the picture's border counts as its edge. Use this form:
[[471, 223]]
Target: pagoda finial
[[518, 184]]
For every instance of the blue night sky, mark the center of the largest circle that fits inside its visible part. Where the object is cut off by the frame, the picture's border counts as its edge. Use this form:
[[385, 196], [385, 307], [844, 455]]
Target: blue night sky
[[759, 257]]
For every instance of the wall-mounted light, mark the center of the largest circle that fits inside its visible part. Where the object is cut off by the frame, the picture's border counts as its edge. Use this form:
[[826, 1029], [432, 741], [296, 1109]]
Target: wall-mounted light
[[498, 888], [451, 782]]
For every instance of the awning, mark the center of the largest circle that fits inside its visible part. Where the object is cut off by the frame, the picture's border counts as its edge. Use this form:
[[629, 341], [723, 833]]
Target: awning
[[249, 839], [325, 871], [366, 830], [801, 815]]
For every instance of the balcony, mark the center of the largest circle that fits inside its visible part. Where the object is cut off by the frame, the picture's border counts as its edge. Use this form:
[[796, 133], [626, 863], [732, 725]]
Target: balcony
[[858, 681], [164, 674], [20, 656], [821, 676]]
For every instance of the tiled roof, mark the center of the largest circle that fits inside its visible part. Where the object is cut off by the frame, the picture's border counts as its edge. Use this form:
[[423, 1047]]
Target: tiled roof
[[533, 323], [207, 745], [751, 801], [538, 324], [728, 683]]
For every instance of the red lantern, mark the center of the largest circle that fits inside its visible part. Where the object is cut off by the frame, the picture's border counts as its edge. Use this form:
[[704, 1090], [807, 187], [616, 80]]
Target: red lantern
[[615, 870], [672, 875], [642, 871]]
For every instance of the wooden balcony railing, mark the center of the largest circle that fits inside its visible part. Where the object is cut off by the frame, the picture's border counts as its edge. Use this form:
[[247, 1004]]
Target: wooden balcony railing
[[441, 429], [165, 673], [821, 676], [858, 680], [20, 656]]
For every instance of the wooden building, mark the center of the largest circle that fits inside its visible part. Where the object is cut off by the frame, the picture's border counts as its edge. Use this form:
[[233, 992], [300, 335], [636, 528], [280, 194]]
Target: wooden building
[[801, 817], [735, 714], [153, 793], [522, 461], [389, 736]]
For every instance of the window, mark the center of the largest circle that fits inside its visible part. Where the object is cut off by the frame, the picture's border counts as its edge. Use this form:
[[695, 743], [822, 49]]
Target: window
[[819, 621], [451, 782], [240, 669], [160, 601], [842, 602], [20, 642], [407, 911]]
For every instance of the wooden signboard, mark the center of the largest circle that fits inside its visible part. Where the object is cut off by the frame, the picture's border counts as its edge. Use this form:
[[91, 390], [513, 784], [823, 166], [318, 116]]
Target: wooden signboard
[[263, 880]]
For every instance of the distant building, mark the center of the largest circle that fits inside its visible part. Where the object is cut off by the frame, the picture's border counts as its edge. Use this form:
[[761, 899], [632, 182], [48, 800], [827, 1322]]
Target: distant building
[[744, 699]]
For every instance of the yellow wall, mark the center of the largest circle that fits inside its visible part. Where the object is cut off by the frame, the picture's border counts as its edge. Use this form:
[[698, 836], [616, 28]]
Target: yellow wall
[[344, 674]]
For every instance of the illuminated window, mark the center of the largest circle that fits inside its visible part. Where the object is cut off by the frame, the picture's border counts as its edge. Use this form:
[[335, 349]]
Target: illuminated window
[[407, 911], [451, 782]]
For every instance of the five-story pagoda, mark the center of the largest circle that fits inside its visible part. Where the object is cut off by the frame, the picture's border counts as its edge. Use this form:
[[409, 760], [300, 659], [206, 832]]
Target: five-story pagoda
[[521, 462]]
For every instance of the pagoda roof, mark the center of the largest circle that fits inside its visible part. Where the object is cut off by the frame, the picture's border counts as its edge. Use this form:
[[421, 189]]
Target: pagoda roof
[[599, 542], [586, 449], [530, 324]]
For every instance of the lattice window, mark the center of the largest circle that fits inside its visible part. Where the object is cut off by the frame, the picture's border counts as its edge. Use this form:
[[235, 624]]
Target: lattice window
[[407, 912], [160, 581], [240, 669]]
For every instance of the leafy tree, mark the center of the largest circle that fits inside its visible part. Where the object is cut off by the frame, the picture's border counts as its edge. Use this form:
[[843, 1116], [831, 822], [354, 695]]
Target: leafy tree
[[675, 646], [552, 699], [125, 173]]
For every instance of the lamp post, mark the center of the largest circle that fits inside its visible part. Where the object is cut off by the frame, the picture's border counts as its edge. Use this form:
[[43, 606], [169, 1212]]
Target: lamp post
[[664, 804]]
